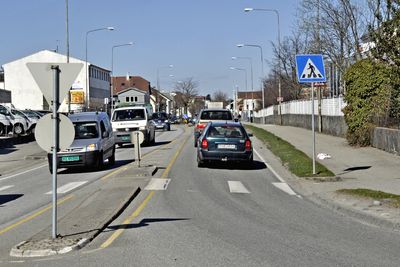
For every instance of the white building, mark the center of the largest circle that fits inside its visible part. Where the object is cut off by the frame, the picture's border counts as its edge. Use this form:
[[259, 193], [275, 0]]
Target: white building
[[25, 93]]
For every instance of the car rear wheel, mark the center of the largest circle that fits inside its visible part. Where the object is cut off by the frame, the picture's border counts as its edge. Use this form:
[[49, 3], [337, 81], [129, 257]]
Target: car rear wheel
[[99, 162], [18, 129], [200, 163], [195, 142]]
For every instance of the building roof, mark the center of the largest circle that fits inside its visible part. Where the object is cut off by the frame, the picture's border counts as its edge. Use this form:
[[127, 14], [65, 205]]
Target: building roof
[[130, 89], [250, 95]]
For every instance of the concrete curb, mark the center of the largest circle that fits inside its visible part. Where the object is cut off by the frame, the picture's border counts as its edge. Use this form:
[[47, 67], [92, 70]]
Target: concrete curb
[[19, 251]]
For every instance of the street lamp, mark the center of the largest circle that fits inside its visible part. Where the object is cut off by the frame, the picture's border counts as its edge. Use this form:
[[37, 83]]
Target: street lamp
[[158, 83], [112, 69], [86, 59], [251, 74], [262, 68], [245, 71], [248, 9]]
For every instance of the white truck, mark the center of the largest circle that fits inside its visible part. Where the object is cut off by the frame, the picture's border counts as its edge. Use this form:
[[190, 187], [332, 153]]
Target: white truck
[[215, 105], [125, 120]]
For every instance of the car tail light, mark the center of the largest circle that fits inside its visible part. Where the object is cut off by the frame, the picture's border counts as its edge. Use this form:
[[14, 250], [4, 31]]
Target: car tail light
[[201, 126], [247, 145], [204, 144]]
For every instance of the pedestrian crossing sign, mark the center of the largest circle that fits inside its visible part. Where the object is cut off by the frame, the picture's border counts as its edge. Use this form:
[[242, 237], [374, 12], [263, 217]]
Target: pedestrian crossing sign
[[310, 68]]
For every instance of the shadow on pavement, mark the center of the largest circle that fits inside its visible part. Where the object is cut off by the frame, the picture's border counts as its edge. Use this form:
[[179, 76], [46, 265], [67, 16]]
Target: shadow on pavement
[[142, 223], [256, 165], [352, 169], [7, 150], [8, 198]]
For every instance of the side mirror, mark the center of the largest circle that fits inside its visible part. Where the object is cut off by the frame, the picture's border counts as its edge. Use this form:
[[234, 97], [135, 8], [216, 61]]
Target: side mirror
[[250, 134], [105, 135]]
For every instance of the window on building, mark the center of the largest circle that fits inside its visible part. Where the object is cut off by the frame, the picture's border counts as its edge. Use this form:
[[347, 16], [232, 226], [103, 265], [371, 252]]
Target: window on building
[[122, 84], [135, 98], [127, 99], [131, 98]]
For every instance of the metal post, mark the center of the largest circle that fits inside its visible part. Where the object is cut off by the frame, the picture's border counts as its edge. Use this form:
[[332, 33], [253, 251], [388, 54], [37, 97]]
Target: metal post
[[313, 127], [56, 90]]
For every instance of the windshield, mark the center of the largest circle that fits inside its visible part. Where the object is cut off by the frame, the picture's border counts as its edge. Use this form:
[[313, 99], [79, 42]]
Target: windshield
[[225, 131], [129, 114], [86, 130], [216, 115]]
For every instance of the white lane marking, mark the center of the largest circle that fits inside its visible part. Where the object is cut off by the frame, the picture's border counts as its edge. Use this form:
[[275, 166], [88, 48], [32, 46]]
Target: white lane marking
[[17, 174], [6, 187], [237, 187], [157, 184], [269, 167], [285, 188], [67, 187]]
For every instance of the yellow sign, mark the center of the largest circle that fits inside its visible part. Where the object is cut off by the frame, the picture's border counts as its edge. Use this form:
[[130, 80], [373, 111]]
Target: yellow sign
[[77, 97]]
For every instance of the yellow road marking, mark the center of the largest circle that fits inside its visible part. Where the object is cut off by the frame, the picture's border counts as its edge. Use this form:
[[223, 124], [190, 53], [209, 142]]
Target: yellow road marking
[[59, 202], [125, 167], [136, 213]]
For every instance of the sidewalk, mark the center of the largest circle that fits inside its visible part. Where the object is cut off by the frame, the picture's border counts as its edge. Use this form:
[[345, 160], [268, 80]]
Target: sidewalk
[[364, 167]]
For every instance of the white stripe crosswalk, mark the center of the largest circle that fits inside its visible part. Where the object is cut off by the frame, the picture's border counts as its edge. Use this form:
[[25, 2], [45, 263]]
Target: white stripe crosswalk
[[237, 187], [67, 187]]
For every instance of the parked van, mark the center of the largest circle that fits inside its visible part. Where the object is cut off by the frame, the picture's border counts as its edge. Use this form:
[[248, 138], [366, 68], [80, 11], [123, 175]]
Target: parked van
[[125, 120], [5, 125], [93, 143], [19, 123]]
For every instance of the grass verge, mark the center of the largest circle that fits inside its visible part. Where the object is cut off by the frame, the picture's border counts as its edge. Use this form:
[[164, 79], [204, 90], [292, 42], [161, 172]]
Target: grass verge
[[296, 161], [394, 200]]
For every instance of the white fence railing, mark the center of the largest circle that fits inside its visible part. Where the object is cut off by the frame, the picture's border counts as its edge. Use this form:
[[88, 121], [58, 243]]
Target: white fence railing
[[329, 107]]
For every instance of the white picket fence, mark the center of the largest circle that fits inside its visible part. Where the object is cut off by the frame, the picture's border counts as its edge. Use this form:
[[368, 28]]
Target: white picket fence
[[329, 107]]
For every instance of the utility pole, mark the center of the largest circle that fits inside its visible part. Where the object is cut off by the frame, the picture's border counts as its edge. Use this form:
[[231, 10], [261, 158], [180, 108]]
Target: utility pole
[[319, 92]]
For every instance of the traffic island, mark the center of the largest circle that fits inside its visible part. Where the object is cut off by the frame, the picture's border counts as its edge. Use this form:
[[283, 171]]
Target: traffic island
[[91, 216]]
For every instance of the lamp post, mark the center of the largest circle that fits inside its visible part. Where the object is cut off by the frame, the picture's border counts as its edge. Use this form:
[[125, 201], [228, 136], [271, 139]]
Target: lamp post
[[248, 9], [262, 68], [245, 71], [251, 74], [112, 71], [158, 83], [86, 59]]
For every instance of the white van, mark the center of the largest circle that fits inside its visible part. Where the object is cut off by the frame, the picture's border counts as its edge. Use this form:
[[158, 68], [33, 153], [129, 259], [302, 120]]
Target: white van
[[125, 120], [19, 123], [5, 125]]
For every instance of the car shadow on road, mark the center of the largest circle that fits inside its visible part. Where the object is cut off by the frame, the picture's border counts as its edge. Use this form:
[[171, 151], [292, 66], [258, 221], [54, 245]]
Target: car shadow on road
[[8, 198], [7, 150], [142, 223], [256, 165]]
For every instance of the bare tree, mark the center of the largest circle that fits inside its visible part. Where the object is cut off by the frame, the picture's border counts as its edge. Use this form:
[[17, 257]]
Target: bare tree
[[220, 96], [187, 90]]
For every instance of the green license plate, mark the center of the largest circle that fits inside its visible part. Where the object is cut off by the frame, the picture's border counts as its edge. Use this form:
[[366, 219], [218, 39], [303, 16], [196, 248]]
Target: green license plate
[[126, 138], [69, 158]]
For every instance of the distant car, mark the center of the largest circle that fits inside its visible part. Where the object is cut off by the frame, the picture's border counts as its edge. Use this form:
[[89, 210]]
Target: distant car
[[174, 120], [20, 124], [93, 143], [161, 121], [210, 115], [224, 141]]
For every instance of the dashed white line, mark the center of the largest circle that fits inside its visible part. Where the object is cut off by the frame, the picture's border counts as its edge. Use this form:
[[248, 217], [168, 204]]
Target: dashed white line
[[157, 184], [269, 167], [237, 187], [17, 174], [68, 187], [285, 188], [6, 187]]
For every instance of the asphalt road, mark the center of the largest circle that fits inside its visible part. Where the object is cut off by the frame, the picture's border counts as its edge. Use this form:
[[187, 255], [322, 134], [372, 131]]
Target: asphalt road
[[26, 186], [228, 215]]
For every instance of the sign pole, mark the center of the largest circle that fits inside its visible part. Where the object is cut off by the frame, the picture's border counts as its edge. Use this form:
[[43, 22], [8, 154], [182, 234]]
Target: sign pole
[[138, 148], [56, 91], [313, 127]]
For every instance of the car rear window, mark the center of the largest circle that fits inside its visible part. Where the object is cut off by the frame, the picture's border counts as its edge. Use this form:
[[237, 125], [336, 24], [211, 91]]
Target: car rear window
[[86, 130], [216, 115], [226, 131], [128, 114]]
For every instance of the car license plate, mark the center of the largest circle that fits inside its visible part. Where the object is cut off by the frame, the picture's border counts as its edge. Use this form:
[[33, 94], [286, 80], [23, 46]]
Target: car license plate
[[226, 146], [69, 158], [126, 138]]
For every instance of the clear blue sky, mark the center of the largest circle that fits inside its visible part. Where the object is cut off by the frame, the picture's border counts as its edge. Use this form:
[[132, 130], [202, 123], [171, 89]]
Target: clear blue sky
[[197, 37]]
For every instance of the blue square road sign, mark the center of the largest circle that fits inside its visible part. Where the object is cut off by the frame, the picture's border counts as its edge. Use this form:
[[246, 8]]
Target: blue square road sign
[[310, 68]]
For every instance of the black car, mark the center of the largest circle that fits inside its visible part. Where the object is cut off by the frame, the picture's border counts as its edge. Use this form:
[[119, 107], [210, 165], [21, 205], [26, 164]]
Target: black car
[[161, 121], [224, 141]]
